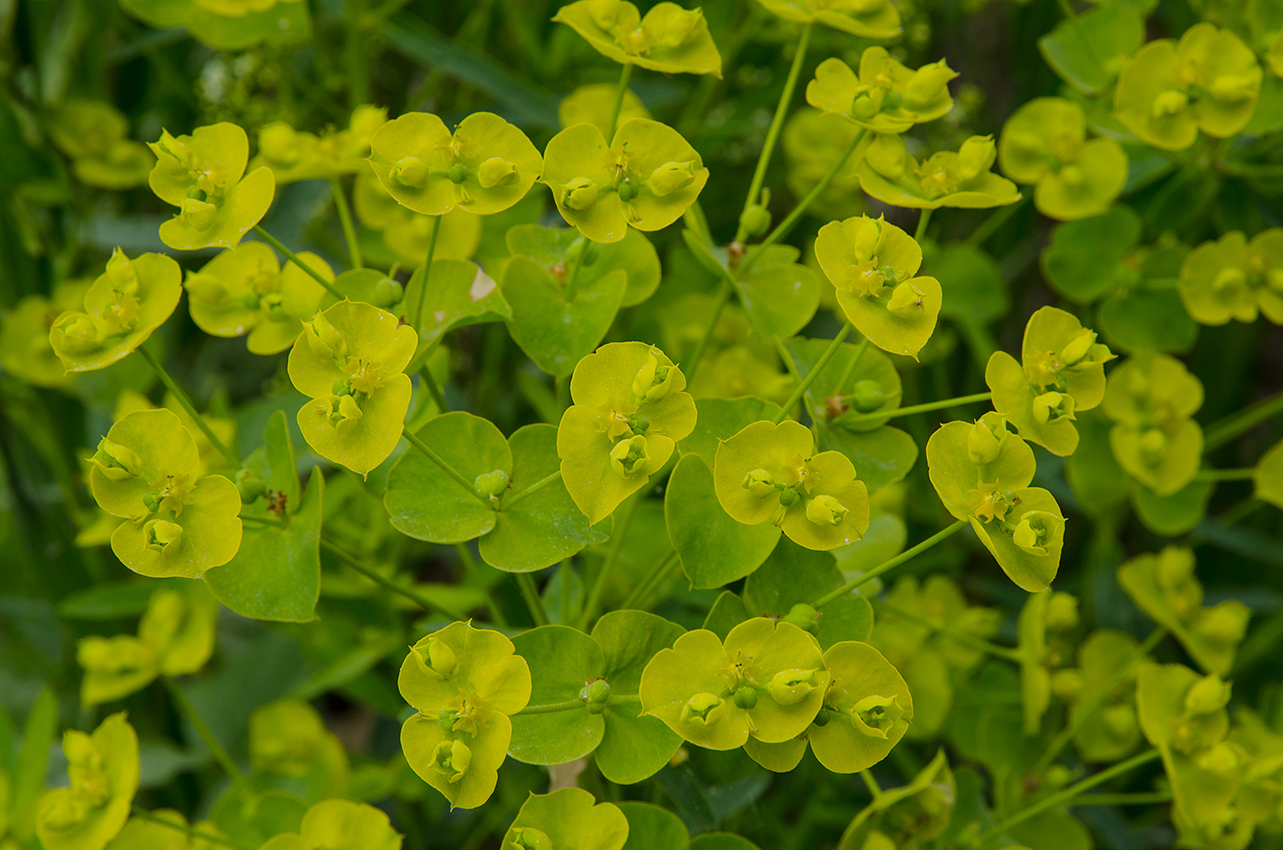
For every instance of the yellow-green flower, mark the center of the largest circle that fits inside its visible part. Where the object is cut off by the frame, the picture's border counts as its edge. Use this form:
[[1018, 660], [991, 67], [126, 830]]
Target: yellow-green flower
[[25, 351], [465, 683], [766, 680], [772, 473], [339, 825], [484, 167], [103, 769], [628, 412], [297, 155], [646, 177], [121, 309], [204, 176], [947, 179], [92, 133], [885, 97], [1061, 374], [288, 738], [244, 290], [407, 233], [864, 18], [178, 522], [1152, 399], [350, 360], [1170, 90], [669, 39], [1045, 144], [1231, 278], [593, 104], [873, 266]]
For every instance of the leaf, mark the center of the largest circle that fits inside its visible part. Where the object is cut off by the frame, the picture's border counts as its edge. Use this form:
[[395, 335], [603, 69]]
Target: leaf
[[1176, 514], [794, 575], [1146, 318], [868, 374], [1099, 483], [458, 294], [274, 461], [554, 333], [728, 611], [884, 540], [1085, 49], [32, 760], [425, 502], [562, 660], [109, 601], [880, 457], [778, 295], [974, 288], [276, 575], [721, 841], [1085, 258], [714, 548], [720, 419], [544, 527], [552, 247], [654, 828]]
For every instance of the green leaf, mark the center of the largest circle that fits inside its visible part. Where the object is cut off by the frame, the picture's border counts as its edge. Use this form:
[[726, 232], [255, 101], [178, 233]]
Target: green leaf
[[974, 288], [1146, 317], [720, 419], [274, 462], [276, 575], [562, 660], [884, 540], [108, 601], [721, 841], [861, 371], [1268, 478], [554, 333], [1176, 514], [779, 296], [1085, 258], [458, 294], [544, 527], [284, 22], [28, 781], [425, 502], [880, 457], [1084, 50], [551, 247], [1100, 484], [714, 548], [654, 828], [252, 816], [728, 611], [794, 575]]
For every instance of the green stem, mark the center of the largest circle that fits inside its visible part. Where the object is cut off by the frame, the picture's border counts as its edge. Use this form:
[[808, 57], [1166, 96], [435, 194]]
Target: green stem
[[143, 814], [855, 361], [651, 581], [1139, 799], [294, 258], [619, 100], [351, 561], [530, 594], [1092, 705], [887, 566], [511, 500], [220, 753], [919, 408], [1223, 431], [593, 602], [871, 783], [358, 71], [777, 124], [345, 220], [692, 362], [445, 467], [571, 704], [1242, 474], [924, 218], [813, 374], [177, 391], [970, 641], [433, 388], [1065, 796], [470, 567], [586, 245], [781, 230], [427, 271], [990, 225]]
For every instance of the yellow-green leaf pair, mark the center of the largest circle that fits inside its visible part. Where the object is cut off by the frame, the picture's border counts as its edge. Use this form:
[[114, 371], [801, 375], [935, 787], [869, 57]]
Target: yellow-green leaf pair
[[485, 166], [1165, 587], [629, 411], [204, 176], [767, 680], [121, 309], [1152, 399], [295, 155], [1232, 278], [465, 683], [25, 350], [1170, 90], [867, 709], [244, 290], [92, 133], [408, 234], [103, 769], [772, 473], [1061, 374], [646, 177], [874, 266], [339, 825], [946, 179], [569, 818], [865, 18], [177, 522], [175, 637], [1044, 144], [350, 360], [669, 39], [885, 97], [982, 473]]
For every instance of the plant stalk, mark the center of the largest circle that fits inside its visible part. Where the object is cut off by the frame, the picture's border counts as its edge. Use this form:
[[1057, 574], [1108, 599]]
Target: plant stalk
[[887, 566], [296, 260], [172, 386]]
